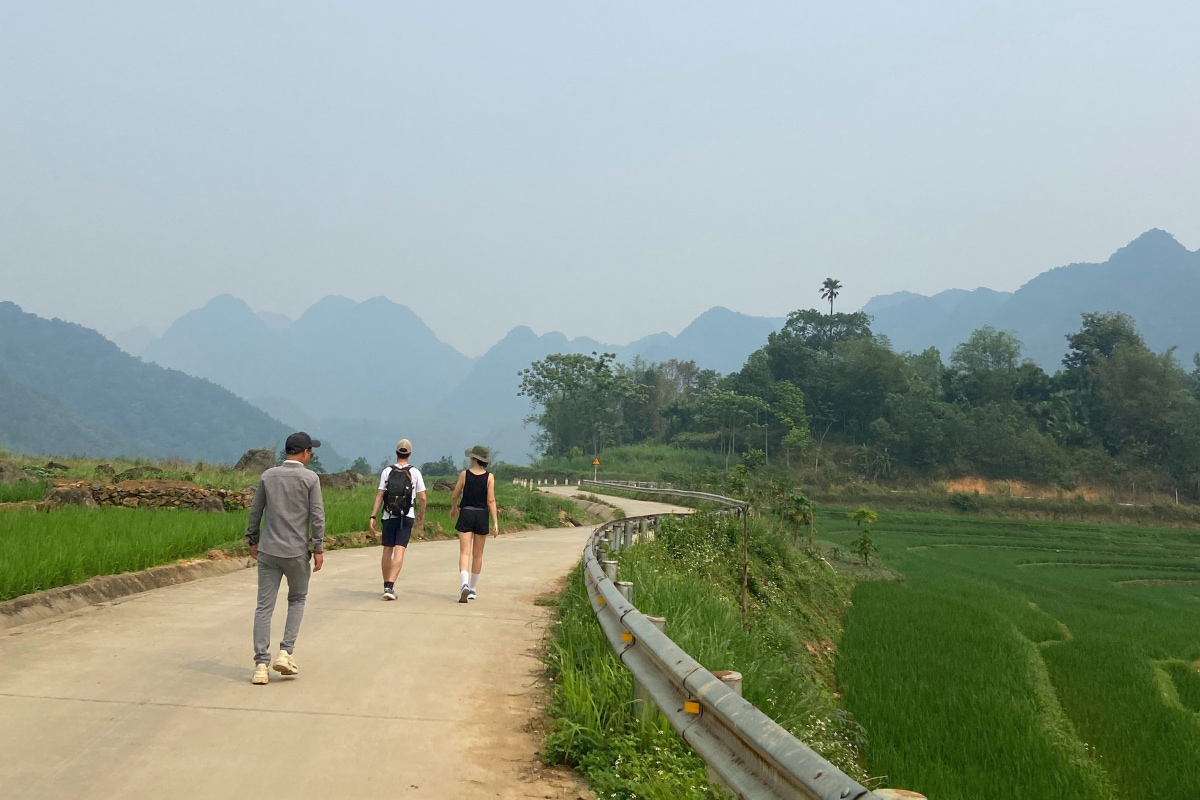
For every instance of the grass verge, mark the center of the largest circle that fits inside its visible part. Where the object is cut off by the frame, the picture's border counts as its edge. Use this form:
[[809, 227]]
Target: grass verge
[[689, 574]]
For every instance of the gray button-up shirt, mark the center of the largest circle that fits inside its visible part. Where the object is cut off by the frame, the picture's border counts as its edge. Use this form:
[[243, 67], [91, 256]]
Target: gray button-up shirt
[[291, 496]]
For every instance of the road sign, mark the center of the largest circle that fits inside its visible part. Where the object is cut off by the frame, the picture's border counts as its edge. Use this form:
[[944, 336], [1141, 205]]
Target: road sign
[[596, 468], [595, 462]]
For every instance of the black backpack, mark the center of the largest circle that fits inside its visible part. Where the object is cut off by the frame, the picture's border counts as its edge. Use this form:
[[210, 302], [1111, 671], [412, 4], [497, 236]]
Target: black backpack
[[398, 497]]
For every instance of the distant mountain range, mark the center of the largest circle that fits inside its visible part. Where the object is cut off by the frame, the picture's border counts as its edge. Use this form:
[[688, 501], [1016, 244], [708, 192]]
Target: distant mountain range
[[66, 390], [362, 375], [365, 374], [1154, 279]]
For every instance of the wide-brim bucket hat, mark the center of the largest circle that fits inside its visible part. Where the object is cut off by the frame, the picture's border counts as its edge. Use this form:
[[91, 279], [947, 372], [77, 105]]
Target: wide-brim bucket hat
[[480, 453]]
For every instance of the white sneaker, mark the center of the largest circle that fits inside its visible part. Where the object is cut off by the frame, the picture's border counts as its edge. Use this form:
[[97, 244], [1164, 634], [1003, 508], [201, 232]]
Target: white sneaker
[[262, 675], [470, 594], [389, 594], [285, 664], [464, 594]]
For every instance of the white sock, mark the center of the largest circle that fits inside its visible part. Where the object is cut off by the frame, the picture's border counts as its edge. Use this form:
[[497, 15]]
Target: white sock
[[462, 574], [474, 580]]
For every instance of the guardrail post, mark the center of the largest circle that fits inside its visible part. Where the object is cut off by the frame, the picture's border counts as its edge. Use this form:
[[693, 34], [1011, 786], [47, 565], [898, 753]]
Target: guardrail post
[[730, 678], [610, 569], [626, 589], [627, 535]]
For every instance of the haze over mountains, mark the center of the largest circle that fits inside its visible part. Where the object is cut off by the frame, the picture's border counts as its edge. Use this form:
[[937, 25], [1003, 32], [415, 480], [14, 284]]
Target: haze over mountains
[[365, 374], [1154, 279]]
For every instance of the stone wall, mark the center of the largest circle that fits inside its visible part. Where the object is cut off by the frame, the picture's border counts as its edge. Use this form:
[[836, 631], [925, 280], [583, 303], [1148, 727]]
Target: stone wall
[[162, 494]]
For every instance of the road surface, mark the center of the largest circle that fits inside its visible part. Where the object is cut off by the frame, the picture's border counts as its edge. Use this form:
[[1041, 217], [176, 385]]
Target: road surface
[[150, 697]]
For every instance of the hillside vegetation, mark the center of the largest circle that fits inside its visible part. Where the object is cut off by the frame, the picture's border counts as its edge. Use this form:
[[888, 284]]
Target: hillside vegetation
[[65, 389], [825, 399]]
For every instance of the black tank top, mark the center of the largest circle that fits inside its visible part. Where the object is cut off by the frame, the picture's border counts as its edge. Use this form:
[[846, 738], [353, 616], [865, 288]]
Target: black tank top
[[475, 492]]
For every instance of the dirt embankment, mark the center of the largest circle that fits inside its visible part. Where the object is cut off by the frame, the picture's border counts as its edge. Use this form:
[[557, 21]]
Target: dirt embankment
[[1020, 489]]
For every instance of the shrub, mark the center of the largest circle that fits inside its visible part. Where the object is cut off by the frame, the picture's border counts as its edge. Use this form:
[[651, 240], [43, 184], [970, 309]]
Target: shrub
[[965, 503]]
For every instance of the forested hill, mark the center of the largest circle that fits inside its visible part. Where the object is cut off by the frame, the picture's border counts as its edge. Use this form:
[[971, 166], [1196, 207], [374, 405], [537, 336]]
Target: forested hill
[[65, 389], [1154, 279]]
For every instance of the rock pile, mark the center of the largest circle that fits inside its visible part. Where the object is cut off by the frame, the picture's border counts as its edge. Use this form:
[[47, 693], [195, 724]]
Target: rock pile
[[256, 461], [11, 473], [61, 496], [137, 474], [342, 480]]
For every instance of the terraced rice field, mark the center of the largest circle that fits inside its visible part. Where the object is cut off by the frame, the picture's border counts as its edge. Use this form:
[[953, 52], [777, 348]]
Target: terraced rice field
[[1028, 659]]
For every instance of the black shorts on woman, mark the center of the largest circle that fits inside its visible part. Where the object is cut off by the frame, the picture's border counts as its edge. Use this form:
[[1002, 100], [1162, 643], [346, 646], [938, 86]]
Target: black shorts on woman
[[472, 520]]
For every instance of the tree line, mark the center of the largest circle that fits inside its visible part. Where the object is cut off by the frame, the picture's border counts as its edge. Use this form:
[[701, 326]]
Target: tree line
[[825, 388]]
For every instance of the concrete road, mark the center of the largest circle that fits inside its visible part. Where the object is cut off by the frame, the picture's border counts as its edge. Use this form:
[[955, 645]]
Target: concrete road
[[151, 698]]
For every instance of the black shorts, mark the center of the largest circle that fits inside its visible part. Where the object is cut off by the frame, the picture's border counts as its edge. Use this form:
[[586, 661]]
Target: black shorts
[[472, 520], [397, 531]]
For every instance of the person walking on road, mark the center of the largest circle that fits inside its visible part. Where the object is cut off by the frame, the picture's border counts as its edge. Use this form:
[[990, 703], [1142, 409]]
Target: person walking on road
[[291, 496], [476, 488], [402, 497]]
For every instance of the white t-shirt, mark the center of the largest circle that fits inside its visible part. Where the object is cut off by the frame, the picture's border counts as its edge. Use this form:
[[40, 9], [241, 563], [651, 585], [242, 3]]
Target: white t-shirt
[[418, 487]]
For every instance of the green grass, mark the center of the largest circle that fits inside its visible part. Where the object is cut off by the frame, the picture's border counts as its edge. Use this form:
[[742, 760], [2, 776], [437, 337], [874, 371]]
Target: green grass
[[23, 491], [41, 550], [1027, 659], [647, 462], [689, 574]]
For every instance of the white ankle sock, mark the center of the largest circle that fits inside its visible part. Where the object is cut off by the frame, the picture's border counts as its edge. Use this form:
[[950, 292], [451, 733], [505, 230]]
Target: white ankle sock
[[462, 574], [474, 580]]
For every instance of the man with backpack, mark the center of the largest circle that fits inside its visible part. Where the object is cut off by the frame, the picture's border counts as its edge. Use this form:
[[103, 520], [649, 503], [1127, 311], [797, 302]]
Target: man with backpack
[[402, 497]]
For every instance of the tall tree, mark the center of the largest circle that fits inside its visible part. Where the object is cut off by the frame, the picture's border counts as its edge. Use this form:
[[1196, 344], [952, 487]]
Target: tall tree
[[985, 367], [580, 398], [1099, 337], [829, 291]]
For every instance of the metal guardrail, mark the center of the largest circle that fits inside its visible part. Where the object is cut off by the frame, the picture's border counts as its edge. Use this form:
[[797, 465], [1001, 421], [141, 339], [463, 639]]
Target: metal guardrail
[[630, 486], [749, 752]]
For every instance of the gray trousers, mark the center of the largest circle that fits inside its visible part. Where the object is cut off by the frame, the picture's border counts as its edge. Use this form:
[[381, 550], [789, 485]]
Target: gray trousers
[[271, 570]]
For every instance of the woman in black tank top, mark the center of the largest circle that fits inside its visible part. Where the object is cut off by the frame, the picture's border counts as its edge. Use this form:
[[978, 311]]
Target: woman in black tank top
[[474, 504]]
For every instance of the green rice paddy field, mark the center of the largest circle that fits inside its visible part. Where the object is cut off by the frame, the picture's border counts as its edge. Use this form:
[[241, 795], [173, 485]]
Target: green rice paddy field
[[1031, 660], [40, 550]]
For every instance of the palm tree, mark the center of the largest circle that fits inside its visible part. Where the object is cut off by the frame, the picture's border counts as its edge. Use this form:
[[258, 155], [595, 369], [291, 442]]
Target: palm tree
[[829, 291], [801, 511]]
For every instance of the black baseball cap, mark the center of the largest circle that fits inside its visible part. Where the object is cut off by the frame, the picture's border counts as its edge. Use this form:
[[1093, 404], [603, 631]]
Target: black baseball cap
[[299, 442]]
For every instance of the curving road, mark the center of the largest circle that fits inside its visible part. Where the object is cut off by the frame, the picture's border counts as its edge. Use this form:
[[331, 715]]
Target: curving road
[[150, 697]]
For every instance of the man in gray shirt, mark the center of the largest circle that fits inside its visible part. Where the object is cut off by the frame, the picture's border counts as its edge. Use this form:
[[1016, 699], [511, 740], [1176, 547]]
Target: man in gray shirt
[[291, 495]]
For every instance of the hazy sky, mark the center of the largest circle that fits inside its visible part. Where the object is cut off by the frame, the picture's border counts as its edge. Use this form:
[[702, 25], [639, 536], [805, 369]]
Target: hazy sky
[[610, 169]]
